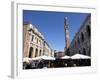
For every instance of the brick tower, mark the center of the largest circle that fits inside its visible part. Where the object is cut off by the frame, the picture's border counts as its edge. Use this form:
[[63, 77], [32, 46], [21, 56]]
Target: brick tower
[[67, 40]]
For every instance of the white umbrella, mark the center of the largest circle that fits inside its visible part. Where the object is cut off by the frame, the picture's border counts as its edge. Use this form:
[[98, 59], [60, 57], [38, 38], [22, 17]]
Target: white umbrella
[[85, 57], [26, 59], [36, 58], [47, 57], [43, 57], [79, 56], [65, 57]]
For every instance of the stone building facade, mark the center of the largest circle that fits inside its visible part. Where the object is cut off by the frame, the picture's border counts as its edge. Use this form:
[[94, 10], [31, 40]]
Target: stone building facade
[[81, 42], [47, 50], [34, 44], [59, 54]]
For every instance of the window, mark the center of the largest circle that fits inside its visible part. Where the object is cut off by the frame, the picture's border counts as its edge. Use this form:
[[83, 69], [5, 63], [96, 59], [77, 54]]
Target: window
[[36, 52], [78, 41], [37, 41], [32, 38], [79, 52], [84, 51], [75, 44], [82, 37], [40, 53], [88, 30], [89, 51]]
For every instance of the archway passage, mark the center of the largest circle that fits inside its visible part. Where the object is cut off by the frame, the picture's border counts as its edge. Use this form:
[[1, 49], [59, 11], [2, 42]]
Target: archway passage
[[82, 37], [36, 52], [40, 53], [30, 52], [79, 52], [78, 41], [84, 51]]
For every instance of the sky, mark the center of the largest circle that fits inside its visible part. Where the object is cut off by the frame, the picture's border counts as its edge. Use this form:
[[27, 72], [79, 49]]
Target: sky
[[51, 25]]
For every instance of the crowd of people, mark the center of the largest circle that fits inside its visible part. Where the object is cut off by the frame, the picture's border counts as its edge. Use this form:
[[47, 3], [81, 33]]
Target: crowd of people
[[39, 64]]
